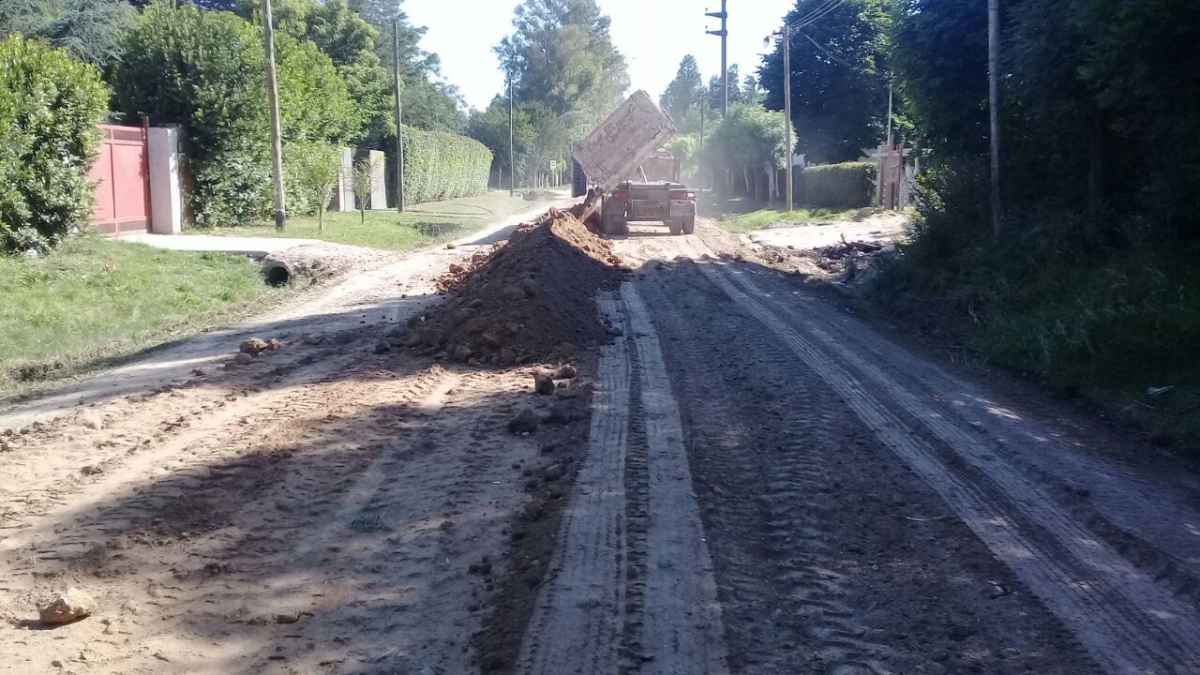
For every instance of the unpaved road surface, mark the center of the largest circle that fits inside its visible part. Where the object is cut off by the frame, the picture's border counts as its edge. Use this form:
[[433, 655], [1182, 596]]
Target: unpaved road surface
[[762, 483]]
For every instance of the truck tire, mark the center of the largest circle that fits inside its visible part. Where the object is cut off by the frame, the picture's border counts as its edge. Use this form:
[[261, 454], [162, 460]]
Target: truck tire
[[689, 225], [621, 227], [676, 226]]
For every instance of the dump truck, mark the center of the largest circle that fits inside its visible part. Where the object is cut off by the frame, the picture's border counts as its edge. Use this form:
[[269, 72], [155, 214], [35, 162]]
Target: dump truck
[[611, 167]]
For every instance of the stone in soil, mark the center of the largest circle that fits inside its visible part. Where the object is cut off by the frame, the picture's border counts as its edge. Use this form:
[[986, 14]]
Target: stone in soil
[[243, 359], [253, 346], [526, 421], [565, 372], [70, 606], [543, 384]]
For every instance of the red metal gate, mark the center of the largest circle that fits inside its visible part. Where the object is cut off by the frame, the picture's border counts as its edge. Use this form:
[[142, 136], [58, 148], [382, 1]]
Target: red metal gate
[[122, 176]]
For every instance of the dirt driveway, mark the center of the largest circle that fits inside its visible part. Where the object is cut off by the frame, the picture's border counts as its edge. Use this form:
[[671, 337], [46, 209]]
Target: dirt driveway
[[763, 483]]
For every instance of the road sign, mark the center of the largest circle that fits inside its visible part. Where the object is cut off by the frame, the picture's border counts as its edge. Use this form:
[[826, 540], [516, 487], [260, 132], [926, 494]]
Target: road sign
[[554, 165]]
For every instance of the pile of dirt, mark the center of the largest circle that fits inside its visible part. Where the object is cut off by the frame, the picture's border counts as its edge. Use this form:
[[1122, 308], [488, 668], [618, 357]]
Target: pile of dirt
[[530, 300]]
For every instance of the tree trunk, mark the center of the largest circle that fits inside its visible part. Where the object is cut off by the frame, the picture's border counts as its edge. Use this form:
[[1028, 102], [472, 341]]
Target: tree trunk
[[320, 219]]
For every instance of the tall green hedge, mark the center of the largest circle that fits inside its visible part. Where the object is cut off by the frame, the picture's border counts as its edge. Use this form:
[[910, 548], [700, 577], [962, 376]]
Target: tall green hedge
[[440, 165], [205, 71], [50, 105], [836, 186]]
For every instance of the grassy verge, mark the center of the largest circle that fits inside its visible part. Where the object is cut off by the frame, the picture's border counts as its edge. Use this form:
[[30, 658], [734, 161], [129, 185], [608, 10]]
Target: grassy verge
[[392, 231], [1115, 326], [93, 299], [757, 220]]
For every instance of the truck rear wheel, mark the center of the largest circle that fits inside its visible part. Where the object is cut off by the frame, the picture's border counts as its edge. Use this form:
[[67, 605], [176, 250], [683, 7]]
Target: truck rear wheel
[[689, 225], [621, 227], [676, 226]]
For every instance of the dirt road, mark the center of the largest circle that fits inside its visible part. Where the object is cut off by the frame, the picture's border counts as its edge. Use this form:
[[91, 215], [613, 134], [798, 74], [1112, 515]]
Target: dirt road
[[764, 484]]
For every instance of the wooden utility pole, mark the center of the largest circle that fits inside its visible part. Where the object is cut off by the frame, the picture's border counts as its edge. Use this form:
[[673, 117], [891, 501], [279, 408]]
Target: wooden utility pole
[[723, 15], [512, 167], [399, 116], [994, 105], [273, 101], [787, 108]]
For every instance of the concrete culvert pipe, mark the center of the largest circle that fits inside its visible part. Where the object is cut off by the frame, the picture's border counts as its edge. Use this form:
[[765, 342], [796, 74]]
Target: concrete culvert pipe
[[277, 272]]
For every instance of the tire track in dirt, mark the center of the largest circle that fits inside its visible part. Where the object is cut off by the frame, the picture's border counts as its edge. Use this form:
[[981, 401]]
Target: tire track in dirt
[[577, 623], [632, 588], [189, 457], [681, 628], [98, 450], [830, 558], [1126, 622]]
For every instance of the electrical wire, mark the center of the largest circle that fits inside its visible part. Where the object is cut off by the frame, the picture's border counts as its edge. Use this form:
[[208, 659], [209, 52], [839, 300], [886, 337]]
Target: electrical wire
[[812, 15], [817, 14], [826, 51]]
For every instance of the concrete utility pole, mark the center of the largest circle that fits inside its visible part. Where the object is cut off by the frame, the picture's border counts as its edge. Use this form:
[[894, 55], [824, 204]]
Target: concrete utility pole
[[994, 104], [399, 117], [723, 15], [512, 167], [273, 101]]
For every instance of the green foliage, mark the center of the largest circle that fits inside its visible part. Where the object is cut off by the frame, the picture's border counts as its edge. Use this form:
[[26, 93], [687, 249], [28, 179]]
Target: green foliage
[[362, 181], [311, 173], [746, 145], [716, 96], [439, 165], [314, 103], [684, 95], [562, 55], [428, 103], [685, 148], [50, 105], [204, 71], [350, 42], [836, 186], [839, 83], [939, 56], [90, 30]]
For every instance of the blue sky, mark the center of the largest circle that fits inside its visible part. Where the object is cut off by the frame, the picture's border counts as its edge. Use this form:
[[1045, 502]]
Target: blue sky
[[652, 34]]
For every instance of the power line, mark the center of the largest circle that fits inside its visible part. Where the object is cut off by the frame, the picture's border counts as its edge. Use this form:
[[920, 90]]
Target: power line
[[826, 51], [818, 14], [813, 13]]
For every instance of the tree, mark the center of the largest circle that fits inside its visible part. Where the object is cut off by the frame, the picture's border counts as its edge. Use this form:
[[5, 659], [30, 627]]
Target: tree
[[749, 143], [716, 95], [428, 103], [684, 94], [561, 54], [312, 173], [90, 30], [362, 181], [839, 78]]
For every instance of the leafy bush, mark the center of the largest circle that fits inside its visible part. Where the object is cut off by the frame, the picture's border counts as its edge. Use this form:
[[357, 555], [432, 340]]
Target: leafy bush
[[439, 165], [204, 71], [836, 186], [50, 105]]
